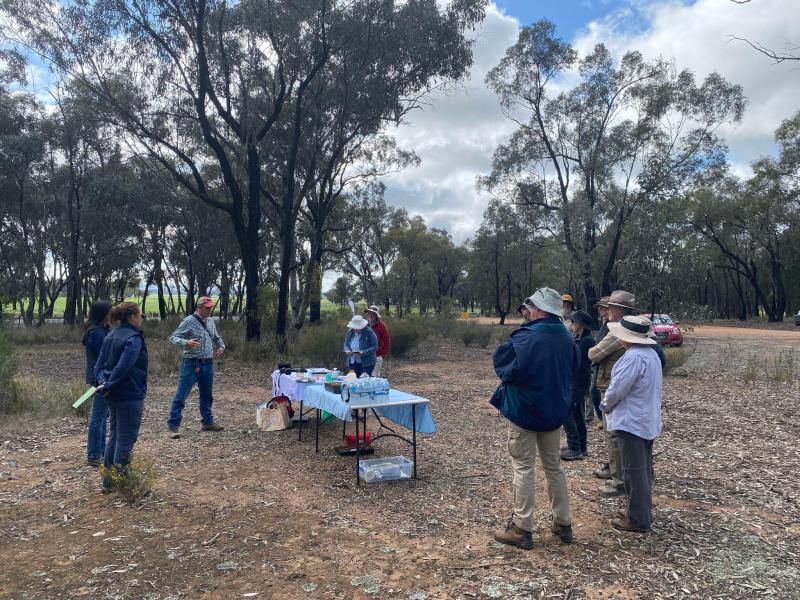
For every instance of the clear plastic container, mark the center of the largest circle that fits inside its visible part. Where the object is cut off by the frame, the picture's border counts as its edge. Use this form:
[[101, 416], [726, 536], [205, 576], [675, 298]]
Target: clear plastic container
[[385, 469]]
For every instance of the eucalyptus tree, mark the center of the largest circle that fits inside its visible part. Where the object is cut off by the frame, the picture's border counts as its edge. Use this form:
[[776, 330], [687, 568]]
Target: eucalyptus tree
[[627, 135], [226, 84]]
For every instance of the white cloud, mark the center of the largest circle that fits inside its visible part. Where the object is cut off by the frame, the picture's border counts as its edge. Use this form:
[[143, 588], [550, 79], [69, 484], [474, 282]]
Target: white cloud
[[699, 36], [456, 134]]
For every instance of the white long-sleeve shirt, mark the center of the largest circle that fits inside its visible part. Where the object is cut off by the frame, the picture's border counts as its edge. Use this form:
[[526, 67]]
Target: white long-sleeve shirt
[[633, 398]]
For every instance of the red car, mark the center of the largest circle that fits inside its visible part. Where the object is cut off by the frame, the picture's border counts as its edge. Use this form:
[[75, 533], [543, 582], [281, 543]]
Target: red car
[[667, 331]]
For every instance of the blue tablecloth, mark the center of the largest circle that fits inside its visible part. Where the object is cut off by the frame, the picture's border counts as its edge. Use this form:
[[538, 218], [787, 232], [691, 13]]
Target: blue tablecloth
[[318, 397]]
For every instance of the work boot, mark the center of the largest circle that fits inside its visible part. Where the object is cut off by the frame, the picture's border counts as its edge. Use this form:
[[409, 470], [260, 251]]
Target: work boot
[[603, 472], [212, 427], [571, 455], [514, 536], [108, 486], [611, 491], [174, 433], [627, 524], [94, 462], [564, 532]]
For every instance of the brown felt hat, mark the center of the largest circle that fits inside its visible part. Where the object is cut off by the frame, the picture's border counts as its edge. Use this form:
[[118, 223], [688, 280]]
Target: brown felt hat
[[622, 299], [603, 301]]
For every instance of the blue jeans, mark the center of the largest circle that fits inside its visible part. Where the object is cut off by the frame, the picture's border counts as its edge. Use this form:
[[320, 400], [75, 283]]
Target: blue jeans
[[204, 377], [96, 440], [126, 418], [575, 425]]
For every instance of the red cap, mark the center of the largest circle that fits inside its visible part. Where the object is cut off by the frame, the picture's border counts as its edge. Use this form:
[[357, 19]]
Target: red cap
[[205, 302]]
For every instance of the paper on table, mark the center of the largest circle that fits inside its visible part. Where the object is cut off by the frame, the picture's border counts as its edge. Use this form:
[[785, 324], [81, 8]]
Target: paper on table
[[86, 395]]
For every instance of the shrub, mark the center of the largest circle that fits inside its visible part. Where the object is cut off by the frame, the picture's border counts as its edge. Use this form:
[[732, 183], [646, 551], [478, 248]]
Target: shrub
[[49, 333], [318, 344], [476, 335], [165, 359], [134, 480], [676, 357], [35, 395], [156, 329], [406, 334], [8, 367]]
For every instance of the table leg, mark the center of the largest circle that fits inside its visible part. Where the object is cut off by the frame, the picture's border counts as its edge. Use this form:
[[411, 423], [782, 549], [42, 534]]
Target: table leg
[[414, 435], [316, 434], [300, 428], [358, 451], [344, 429]]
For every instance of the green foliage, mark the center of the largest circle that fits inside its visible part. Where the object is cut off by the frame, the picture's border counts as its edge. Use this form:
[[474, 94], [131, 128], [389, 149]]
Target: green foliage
[[134, 480], [676, 357], [164, 359], [406, 334], [319, 344], [37, 396], [156, 329], [8, 367], [476, 335], [49, 333]]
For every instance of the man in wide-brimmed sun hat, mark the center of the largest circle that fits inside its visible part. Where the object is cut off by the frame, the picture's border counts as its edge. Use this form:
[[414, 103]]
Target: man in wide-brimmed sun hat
[[373, 315], [535, 366], [605, 354], [632, 404], [360, 344]]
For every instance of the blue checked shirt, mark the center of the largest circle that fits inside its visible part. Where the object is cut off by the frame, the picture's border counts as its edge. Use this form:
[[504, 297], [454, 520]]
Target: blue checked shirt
[[192, 329]]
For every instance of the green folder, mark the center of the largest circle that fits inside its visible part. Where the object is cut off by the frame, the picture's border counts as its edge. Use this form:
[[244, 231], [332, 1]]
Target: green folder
[[86, 395]]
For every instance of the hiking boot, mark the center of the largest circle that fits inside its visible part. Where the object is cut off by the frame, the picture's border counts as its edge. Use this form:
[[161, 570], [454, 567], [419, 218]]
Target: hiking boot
[[174, 434], [603, 472], [571, 455], [585, 453], [514, 536], [94, 462], [611, 491], [564, 532], [627, 525], [108, 486], [212, 427]]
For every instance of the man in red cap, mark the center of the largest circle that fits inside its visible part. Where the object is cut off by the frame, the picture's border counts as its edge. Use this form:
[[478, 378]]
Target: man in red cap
[[198, 337]]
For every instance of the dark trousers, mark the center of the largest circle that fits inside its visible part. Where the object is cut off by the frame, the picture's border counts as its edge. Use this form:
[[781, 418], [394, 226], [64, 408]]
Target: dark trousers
[[199, 372], [96, 436], [125, 419], [596, 398], [636, 459], [358, 369], [575, 425]]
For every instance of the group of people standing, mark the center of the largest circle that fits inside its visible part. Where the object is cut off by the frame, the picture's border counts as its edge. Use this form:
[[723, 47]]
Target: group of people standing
[[117, 365], [547, 369]]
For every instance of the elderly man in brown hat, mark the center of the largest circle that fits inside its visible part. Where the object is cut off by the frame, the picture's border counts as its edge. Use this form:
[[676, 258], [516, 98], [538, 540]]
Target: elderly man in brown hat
[[605, 354]]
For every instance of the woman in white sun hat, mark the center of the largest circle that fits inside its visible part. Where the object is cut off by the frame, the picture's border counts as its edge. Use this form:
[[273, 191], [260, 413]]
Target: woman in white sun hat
[[632, 404], [360, 344]]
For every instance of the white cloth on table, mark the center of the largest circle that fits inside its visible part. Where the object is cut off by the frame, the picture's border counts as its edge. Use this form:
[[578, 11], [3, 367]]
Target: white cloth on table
[[286, 385], [319, 397]]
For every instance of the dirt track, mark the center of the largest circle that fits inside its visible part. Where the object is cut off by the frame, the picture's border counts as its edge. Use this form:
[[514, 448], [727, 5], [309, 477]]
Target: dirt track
[[251, 514]]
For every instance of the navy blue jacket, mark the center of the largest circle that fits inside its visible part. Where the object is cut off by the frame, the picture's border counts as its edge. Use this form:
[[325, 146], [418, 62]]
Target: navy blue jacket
[[368, 344], [93, 342], [582, 378], [122, 364], [536, 366]]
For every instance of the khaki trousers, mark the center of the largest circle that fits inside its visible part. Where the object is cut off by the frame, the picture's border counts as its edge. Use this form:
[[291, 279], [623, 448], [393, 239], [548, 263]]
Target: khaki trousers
[[612, 445], [522, 446], [376, 370]]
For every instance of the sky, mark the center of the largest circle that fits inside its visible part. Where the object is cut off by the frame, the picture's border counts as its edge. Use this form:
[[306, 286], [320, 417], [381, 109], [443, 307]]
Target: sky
[[455, 134]]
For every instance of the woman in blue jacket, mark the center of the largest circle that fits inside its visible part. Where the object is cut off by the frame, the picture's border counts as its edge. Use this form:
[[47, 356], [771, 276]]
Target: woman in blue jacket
[[121, 372], [360, 345], [96, 330]]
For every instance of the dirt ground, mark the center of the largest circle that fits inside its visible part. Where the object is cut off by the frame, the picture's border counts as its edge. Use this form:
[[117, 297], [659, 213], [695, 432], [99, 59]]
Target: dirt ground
[[250, 514]]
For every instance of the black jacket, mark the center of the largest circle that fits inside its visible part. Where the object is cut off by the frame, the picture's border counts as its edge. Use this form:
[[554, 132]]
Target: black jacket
[[581, 379]]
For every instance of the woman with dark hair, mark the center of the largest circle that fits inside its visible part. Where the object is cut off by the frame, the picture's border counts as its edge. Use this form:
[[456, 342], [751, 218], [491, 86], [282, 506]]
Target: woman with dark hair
[[95, 331], [121, 372]]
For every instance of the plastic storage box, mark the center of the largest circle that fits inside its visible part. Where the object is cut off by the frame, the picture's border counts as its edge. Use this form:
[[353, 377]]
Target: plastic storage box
[[385, 469]]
